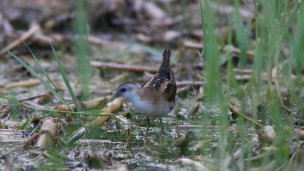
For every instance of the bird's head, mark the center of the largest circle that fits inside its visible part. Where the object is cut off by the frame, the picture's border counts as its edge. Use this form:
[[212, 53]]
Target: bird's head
[[126, 90]]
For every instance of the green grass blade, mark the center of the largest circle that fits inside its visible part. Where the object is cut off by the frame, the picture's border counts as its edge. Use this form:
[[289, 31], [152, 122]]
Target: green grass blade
[[242, 34], [42, 69], [65, 79], [9, 99], [298, 45], [82, 48], [26, 123], [36, 75], [47, 76]]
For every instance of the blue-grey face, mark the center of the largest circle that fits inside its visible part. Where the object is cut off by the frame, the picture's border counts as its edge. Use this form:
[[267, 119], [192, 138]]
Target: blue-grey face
[[125, 90]]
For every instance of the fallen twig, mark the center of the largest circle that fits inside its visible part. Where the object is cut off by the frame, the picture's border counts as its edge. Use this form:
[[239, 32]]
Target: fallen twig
[[183, 89], [234, 110], [35, 27], [26, 83], [111, 107], [90, 104], [123, 67], [192, 109], [235, 50], [192, 83], [199, 127]]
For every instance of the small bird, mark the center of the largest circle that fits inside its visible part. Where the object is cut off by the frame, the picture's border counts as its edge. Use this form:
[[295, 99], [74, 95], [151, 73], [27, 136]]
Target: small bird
[[156, 98]]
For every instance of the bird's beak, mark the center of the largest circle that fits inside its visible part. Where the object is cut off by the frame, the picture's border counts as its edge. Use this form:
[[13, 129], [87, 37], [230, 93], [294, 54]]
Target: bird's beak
[[112, 97]]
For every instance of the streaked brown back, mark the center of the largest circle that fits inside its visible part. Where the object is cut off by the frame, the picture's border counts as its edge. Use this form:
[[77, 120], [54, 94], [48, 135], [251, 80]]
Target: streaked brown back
[[164, 80]]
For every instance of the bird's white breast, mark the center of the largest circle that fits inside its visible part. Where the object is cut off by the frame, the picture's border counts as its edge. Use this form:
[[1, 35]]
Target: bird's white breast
[[147, 109]]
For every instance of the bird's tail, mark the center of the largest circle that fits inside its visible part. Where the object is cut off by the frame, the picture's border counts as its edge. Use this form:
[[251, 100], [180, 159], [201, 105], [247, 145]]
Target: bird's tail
[[164, 69]]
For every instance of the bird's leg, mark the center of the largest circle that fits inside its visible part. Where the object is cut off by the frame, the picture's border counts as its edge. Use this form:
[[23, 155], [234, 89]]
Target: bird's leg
[[147, 131], [148, 125], [163, 137], [161, 125], [129, 136]]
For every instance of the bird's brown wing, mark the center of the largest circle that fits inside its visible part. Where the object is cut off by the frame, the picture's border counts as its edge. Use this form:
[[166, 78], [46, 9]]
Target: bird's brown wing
[[165, 86], [170, 89], [150, 82], [156, 81], [164, 81]]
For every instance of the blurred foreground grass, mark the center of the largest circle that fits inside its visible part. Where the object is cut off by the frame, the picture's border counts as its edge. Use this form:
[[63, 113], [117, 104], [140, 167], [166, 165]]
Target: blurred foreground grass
[[278, 28], [273, 96]]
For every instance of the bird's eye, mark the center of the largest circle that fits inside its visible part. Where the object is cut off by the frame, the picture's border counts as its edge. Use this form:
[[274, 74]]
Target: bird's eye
[[123, 90]]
